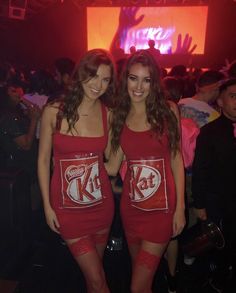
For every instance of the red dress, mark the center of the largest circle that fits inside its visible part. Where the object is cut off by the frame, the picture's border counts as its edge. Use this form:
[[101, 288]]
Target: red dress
[[148, 198], [81, 193]]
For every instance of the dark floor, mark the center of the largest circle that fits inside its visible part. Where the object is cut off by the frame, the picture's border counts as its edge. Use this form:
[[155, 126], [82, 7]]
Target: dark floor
[[47, 267]]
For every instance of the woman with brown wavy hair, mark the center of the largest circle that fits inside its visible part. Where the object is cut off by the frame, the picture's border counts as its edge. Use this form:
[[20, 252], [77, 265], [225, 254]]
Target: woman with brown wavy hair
[[78, 204], [145, 129]]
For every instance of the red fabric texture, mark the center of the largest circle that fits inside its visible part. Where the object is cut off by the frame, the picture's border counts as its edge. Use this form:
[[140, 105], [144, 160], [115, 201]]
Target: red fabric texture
[[100, 238], [88, 219], [153, 226], [82, 246], [148, 260], [190, 131]]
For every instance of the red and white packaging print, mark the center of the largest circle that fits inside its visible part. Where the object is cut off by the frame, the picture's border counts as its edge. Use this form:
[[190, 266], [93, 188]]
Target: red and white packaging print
[[81, 185], [148, 184]]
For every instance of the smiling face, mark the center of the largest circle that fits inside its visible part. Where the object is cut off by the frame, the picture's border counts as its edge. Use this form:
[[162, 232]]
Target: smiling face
[[138, 84], [227, 102], [97, 85]]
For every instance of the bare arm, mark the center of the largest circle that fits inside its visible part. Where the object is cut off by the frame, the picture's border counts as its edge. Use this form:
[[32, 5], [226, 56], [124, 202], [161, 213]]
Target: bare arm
[[177, 167], [44, 158], [178, 173], [114, 162], [114, 159]]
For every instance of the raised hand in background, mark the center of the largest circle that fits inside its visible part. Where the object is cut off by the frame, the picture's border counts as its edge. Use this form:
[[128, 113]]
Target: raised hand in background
[[184, 46], [127, 17], [127, 20]]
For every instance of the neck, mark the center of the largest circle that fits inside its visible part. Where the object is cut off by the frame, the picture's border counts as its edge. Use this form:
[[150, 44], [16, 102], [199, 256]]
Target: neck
[[138, 108], [233, 119], [86, 107]]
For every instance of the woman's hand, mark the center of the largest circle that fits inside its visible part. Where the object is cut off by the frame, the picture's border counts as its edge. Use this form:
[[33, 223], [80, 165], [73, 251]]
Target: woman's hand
[[178, 221], [51, 219]]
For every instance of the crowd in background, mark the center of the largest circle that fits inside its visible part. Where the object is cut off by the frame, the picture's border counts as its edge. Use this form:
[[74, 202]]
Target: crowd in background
[[23, 96]]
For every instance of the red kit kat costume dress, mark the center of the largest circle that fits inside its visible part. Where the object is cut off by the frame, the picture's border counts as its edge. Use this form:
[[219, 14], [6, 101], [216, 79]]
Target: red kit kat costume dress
[[148, 199], [80, 188]]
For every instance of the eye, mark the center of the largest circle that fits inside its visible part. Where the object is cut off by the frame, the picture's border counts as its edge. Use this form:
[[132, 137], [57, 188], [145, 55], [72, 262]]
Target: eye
[[107, 80], [132, 77], [148, 80]]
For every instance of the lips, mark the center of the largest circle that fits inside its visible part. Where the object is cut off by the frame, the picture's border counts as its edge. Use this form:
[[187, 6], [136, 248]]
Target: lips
[[95, 91], [138, 93]]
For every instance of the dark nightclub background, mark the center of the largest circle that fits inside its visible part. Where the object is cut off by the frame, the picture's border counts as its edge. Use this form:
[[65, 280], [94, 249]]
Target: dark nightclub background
[[33, 34], [59, 29]]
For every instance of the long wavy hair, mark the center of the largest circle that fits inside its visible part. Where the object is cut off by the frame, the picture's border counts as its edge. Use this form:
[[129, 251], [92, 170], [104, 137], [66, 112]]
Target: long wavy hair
[[159, 115], [86, 70]]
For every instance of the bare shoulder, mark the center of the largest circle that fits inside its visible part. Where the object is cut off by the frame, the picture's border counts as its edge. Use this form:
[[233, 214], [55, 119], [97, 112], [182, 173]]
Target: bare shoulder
[[53, 105], [49, 115], [51, 109]]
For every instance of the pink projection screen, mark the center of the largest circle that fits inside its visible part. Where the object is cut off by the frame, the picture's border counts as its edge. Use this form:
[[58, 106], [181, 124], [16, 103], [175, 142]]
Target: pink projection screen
[[165, 25]]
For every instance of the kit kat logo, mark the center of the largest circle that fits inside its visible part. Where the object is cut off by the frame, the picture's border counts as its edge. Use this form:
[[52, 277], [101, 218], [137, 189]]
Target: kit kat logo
[[144, 182], [81, 186], [148, 184]]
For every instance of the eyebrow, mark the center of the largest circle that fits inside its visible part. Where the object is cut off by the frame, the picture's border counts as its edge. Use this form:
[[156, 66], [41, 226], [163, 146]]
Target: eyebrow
[[103, 77], [137, 75]]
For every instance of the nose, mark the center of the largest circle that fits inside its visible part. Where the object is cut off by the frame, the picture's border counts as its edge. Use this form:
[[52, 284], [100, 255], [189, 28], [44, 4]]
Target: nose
[[139, 84], [98, 83]]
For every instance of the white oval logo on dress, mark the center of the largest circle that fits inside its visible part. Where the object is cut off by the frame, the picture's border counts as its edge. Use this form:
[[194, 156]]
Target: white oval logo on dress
[[74, 171]]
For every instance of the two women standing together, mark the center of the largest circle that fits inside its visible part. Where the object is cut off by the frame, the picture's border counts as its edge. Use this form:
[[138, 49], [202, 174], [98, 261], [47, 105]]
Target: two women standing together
[[143, 129]]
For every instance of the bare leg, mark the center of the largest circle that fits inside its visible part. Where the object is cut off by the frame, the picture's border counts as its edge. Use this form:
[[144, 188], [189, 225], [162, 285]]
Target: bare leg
[[90, 262], [145, 263], [172, 255]]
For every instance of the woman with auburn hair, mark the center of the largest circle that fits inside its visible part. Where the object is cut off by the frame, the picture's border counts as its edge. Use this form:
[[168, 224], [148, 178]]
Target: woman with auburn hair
[[78, 204], [145, 129]]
